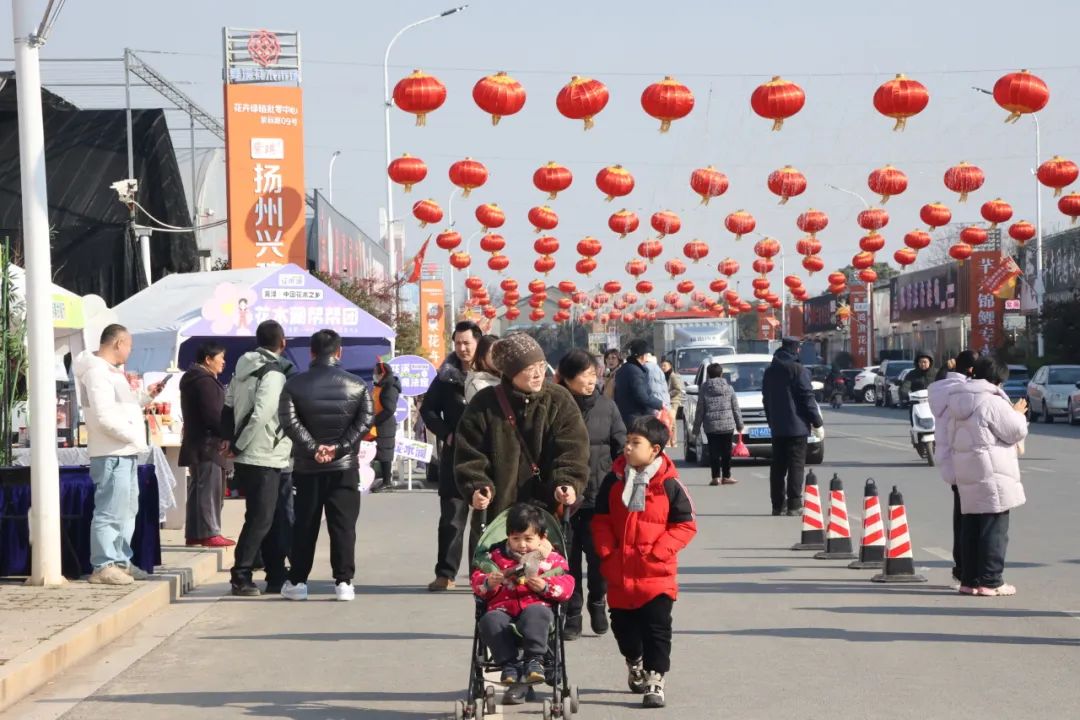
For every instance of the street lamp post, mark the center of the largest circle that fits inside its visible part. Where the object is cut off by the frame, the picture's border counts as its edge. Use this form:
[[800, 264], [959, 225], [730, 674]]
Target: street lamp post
[[329, 218], [387, 105]]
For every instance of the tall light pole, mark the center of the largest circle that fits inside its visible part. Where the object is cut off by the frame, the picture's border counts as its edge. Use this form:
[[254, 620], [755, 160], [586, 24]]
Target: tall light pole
[[45, 566], [329, 219], [1040, 287], [387, 105]]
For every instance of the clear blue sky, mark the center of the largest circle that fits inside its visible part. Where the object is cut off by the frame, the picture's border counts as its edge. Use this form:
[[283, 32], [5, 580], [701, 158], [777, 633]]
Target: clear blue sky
[[838, 51]]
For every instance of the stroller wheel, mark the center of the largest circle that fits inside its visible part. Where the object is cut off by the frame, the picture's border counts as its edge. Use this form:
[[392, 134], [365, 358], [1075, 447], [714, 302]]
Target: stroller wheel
[[575, 703], [478, 711], [548, 713], [567, 707], [459, 710], [489, 703]]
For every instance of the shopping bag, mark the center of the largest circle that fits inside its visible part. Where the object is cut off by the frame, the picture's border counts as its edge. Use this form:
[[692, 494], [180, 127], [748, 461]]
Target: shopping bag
[[740, 450]]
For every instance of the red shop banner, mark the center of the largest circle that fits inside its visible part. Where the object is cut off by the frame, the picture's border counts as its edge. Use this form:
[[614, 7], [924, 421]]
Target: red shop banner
[[987, 310]]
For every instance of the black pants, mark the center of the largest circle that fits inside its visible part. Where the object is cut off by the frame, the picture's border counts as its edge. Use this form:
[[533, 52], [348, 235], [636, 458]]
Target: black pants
[[266, 525], [985, 539], [337, 493], [720, 454], [582, 549], [787, 469], [957, 536], [453, 517], [645, 633], [533, 625]]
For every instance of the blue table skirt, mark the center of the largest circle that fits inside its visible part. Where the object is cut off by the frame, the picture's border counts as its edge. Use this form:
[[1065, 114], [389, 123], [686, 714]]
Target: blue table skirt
[[76, 513]]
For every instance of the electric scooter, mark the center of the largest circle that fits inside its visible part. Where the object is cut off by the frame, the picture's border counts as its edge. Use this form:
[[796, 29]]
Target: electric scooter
[[922, 425]]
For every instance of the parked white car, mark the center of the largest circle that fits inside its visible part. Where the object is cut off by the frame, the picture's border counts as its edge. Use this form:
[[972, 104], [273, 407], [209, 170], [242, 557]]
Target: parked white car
[[744, 372], [863, 386], [1050, 389]]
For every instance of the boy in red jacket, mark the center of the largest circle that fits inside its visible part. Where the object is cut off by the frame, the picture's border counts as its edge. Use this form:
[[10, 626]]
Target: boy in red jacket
[[519, 583], [643, 518]]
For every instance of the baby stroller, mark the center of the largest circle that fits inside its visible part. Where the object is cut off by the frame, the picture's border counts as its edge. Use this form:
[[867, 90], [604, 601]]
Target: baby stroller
[[480, 699]]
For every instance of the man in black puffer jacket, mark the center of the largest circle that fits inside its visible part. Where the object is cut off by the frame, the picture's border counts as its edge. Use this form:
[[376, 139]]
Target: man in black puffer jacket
[[632, 394], [325, 411]]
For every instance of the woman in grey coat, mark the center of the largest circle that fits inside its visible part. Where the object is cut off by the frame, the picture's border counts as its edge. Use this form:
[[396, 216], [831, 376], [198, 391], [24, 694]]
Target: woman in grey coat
[[717, 412]]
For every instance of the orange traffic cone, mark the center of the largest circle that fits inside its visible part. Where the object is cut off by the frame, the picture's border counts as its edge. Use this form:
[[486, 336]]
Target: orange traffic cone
[[872, 547], [899, 561], [838, 535], [813, 527]]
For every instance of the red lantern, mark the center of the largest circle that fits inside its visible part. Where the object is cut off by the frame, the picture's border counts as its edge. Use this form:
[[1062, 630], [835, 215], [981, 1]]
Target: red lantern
[[731, 297], [808, 246], [585, 266], [546, 245], [917, 239], [1021, 93], [862, 260], [671, 298], [543, 264], [868, 275], [499, 95], [762, 265], [793, 281], [490, 312], [498, 263], [974, 235], [838, 289], [588, 247], [492, 243], [579, 297], [650, 249], [777, 100], [964, 179], [407, 170], [565, 303], [905, 256], [762, 307], [623, 222], [448, 239], [613, 287], [588, 316], [718, 285], [652, 303], [552, 179], [636, 268], [619, 304], [901, 98], [581, 99], [604, 318], [512, 313], [873, 218], [675, 268], [767, 248], [886, 182], [536, 315], [728, 267], [667, 100], [644, 287], [543, 218], [813, 264], [787, 182], [427, 211], [708, 183], [1070, 205], [871, 243], [760, 283], [1058, 173], [696, 250], [771, 298], [537, 286], [1022, 231], [960, 252], [474, 283], [614, 181], [812, 221], [508, 285], [511, 298], [837, 278], [996, 211], [935, 215], [468, 174], [665, 222], [537, 301], [419, 94], [741, 223], [686, 286], [490, 216]]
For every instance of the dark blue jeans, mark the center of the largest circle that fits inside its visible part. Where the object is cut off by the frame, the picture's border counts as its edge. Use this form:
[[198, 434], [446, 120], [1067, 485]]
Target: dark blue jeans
[[985, 538]]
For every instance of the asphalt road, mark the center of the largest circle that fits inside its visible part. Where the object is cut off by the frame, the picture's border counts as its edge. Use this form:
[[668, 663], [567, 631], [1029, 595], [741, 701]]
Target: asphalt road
[[761, 631]]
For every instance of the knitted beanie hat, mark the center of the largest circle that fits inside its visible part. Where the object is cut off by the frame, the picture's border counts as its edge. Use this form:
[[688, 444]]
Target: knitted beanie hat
[[514, 353]]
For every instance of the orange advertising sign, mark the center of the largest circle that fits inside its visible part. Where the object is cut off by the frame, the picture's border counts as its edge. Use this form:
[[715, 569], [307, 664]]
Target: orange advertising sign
[[264, 149], [433, 321]]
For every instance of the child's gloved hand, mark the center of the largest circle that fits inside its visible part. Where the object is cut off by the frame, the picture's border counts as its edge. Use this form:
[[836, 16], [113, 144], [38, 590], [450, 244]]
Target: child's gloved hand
[[536, 584], [495, 579]]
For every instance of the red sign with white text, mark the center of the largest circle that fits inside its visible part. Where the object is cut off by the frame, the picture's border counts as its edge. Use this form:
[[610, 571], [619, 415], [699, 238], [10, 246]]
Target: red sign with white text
[[987, 311]]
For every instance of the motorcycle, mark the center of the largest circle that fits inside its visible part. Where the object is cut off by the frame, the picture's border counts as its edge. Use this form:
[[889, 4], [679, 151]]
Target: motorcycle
[[836, 398], [922, 425]]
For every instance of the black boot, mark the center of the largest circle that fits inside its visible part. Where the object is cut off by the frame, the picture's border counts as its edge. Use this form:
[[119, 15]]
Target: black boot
[[598, 617], [242, 584], [572, 629]]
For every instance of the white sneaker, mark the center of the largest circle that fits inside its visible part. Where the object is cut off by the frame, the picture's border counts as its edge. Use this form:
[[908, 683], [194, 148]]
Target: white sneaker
[[136, 572], [294, 592], [110, 575], [344, 591]]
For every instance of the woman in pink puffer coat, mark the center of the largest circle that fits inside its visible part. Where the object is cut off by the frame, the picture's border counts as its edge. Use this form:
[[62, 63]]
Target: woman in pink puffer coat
[[984, 431]]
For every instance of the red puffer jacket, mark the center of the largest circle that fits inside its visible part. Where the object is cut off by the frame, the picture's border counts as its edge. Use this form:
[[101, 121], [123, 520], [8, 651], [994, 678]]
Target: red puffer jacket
[[512, 599], [637, 549]]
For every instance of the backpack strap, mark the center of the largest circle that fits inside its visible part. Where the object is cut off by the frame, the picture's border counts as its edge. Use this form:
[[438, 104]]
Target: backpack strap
[[508, 413]]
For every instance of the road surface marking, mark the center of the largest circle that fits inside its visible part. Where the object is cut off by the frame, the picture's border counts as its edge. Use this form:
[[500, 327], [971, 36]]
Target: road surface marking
[[1038, 469], [758, 475], [872, 441], [938, 552]]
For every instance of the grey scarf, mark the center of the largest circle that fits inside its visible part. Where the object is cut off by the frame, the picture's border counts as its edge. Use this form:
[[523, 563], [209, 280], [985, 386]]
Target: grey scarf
[[636, 483]]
